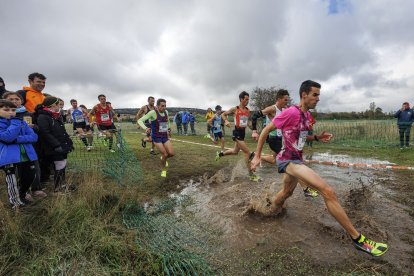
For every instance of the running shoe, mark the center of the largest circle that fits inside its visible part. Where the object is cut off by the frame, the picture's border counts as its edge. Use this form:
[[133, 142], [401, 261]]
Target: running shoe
[[111, 150], [217, 158], [152, 152], [143, 143], [105, 142], [88, 148], [369, 246], [255, 178], [164, 173], [309, 192]]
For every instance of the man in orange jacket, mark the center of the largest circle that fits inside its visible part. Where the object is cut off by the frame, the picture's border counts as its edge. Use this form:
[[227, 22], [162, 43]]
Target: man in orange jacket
[[32, 95]]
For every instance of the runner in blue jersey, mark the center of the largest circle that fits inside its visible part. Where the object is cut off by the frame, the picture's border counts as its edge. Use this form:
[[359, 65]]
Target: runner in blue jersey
[[78, 116], [215, 123]]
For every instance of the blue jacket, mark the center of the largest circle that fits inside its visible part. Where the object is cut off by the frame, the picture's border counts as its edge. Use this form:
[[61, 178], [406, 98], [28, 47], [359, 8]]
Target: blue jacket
[[185, 118], [404, 118], [14, 133], [192, 118]]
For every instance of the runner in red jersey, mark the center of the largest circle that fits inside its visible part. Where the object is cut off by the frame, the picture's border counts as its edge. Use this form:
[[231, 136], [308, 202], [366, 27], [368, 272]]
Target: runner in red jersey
[[104, 113], [241, 116]]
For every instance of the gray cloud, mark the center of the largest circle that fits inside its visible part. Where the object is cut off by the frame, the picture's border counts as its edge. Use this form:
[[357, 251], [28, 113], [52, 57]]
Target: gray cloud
[[202, 53]]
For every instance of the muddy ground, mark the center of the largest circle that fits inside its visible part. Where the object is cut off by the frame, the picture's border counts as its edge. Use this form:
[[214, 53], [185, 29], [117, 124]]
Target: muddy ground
[[305, 239]]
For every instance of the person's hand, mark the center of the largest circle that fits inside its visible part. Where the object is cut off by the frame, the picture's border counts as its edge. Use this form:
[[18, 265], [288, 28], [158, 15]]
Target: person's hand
[[325, 137], [227, 123], [255, 135], [59, 149], [148, 130], [255, 162]]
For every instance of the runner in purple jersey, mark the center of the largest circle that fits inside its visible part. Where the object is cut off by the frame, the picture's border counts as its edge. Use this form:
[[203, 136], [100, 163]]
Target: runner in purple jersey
[[294, 123]]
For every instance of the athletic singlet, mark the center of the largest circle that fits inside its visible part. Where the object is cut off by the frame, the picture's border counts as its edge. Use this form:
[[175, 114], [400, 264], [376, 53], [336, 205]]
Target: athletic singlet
[[295, 126], [103, 115], [241, 117], [159, 127], [276, 132], [216, 123], [77, 116]]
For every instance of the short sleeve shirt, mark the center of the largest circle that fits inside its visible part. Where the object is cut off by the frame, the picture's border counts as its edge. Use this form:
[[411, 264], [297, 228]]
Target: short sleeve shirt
[[294, 124]]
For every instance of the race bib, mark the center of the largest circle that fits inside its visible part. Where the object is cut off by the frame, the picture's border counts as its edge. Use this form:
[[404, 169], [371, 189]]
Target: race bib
[[243, 121], [105, 117], [163, 127], [79, 119], [302, 139]]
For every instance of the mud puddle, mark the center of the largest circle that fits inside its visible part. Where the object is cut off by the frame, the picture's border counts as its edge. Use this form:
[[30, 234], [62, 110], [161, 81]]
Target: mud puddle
[[343, 158], [220, 201]]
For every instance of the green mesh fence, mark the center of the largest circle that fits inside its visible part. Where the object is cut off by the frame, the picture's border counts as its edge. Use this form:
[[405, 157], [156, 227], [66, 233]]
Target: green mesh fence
[[120, 164], [183, 245], [362, 133]]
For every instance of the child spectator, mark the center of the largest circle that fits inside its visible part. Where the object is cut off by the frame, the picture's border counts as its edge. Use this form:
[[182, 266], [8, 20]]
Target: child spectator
[[16, 148], [54, 139], [22, 114]]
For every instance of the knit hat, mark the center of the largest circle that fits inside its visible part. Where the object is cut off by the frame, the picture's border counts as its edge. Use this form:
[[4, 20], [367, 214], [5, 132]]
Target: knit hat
[[49, 101]]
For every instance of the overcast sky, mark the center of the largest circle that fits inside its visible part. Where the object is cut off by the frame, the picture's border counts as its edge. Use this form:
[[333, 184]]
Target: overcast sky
[[203, 53]]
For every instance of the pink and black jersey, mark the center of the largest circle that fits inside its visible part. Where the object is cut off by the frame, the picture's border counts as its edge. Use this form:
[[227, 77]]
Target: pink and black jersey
[[294, 124]]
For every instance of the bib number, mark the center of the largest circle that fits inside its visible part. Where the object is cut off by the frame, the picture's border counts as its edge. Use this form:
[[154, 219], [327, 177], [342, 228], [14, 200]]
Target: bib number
[[163, 127], [302, 139], [243, 121], [105, 117]]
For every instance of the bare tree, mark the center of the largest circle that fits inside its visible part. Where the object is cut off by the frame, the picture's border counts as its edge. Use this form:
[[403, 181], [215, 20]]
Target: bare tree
[[264, 97]]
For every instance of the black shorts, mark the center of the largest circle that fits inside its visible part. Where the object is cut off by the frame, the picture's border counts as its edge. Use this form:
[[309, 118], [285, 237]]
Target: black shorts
[[111, 128], [81, 125], [239, 134], [275, 143]]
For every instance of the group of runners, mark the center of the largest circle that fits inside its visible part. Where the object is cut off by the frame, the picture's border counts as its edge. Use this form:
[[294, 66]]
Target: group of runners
[[287, 131]]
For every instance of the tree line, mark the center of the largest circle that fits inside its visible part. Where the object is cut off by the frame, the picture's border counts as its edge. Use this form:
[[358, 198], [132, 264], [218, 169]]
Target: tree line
[[261, 98]]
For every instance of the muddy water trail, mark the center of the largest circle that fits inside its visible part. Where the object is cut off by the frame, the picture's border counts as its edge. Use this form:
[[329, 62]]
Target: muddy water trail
[[221, 200]]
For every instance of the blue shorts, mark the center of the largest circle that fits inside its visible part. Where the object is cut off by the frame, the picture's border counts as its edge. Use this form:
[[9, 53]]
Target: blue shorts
[[218, 135], [161, 140], [282, 165]]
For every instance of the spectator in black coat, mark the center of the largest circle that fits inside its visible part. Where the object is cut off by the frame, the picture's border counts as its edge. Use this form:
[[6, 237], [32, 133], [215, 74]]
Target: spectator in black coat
[[54, 139]]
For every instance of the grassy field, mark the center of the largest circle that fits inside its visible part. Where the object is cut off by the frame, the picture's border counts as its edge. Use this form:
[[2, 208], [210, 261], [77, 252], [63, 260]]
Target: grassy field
[[83, 233]]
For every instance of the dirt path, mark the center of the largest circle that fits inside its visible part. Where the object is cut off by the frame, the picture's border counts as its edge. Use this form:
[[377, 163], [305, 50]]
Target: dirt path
[[305, 239]]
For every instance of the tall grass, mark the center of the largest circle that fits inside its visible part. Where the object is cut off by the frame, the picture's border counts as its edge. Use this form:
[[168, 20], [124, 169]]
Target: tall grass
[[80, 234]]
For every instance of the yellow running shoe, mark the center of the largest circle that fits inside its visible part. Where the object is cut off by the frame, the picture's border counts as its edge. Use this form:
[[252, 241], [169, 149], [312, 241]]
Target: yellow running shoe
[[255, 178], [163, 173], [309, 192], [368, 246]]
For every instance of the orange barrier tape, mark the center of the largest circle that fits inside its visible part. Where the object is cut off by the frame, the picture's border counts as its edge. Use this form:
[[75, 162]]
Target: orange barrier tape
[[329, 163]]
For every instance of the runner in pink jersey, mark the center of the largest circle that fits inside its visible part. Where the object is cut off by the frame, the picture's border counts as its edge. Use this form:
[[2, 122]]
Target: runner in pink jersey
[[295, 123]]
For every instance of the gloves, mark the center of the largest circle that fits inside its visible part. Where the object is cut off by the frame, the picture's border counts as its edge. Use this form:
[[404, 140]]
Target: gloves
[[59, 149]]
